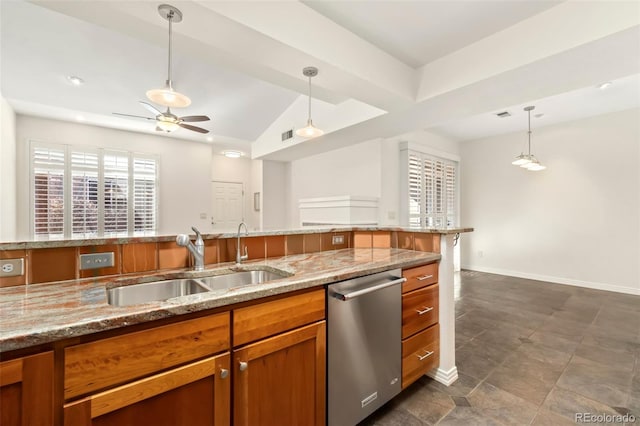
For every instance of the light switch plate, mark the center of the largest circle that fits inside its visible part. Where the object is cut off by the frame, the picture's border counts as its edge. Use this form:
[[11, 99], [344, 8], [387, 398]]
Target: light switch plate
[[11, 267], [96, 260]]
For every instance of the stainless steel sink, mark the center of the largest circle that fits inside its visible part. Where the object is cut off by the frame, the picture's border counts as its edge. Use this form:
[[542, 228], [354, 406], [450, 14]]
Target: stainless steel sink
[[153, 291], [168, 289], [239, 279]]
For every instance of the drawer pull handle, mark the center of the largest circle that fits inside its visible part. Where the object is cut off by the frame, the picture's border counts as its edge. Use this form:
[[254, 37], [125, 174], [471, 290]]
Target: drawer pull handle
[[243, 365], [224, 373], [425, 310], [424, 277], [425, 356]]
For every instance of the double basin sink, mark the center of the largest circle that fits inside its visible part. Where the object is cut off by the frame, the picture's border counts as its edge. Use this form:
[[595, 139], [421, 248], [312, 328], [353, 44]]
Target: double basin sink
[[168, 289]]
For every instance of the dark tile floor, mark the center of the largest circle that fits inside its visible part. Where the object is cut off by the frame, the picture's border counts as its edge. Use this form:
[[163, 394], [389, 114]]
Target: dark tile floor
[[530, 353]]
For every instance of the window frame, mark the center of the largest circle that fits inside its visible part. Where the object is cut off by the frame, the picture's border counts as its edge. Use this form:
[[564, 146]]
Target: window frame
[[68, 170], [408, 149]]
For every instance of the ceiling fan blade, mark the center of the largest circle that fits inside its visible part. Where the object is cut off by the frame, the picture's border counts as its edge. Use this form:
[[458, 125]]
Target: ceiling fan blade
[[151, 108], [194, 128], [134, 116], [192, 118]]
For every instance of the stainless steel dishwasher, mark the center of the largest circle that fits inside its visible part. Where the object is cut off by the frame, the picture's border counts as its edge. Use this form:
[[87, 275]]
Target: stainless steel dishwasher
[[364, 345]]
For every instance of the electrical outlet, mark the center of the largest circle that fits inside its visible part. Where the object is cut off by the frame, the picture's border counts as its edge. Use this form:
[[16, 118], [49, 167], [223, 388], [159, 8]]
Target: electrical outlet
[[96, 260], [203, 215], [391, 215], [337, 240], [480, 253], [11, 267]]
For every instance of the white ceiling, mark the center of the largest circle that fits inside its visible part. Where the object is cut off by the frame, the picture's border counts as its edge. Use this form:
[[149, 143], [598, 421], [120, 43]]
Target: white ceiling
[[418, 32], [443, 65]]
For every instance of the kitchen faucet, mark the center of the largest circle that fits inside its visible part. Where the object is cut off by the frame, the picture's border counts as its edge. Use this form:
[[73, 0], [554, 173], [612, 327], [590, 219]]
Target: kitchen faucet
[[197, 249], [240, 257]]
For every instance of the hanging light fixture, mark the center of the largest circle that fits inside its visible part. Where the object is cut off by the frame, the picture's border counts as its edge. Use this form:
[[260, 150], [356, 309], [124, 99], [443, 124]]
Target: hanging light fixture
[[309, 131], [528, 161], [167, 96]]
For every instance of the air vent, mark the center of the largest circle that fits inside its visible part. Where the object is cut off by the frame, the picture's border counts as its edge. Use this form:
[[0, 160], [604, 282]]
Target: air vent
[[504, 114], [287, 135]]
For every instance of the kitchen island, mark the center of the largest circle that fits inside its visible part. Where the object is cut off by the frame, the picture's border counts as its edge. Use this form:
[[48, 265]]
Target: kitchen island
[[72, 322]]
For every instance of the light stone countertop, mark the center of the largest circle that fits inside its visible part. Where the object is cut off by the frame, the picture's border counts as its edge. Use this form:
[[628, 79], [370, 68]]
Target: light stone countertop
[[25, 245], [37, 314]]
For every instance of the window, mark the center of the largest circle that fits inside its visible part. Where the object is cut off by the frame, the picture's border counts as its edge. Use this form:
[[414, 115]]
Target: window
[[432, 193], [80, 192]]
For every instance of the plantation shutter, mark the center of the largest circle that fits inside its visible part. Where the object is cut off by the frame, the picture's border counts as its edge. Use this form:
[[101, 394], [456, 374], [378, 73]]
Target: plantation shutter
[[416, 190], [432, 191], [48, 173], [84, 193], [116, 192], [144, 193]]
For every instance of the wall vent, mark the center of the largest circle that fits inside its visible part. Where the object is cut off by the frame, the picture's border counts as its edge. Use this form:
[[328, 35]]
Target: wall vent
[[287, 135], [504, 114]]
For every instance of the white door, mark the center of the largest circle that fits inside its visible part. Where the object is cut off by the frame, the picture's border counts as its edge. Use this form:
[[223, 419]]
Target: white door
[[228, 205]]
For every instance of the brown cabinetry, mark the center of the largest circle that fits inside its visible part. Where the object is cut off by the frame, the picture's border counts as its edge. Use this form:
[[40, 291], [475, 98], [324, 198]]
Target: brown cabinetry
[[420, 330], [281, 379], [26, 391], [195, 394]]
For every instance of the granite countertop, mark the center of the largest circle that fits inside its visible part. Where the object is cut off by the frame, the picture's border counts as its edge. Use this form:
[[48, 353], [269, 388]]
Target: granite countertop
[[43, 313], [316, 229]]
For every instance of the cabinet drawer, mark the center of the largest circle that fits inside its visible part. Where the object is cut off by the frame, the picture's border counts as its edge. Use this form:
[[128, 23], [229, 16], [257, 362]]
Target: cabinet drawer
[[269, 318], [420, 277], [419, 310], [420, 354], [103, 363]]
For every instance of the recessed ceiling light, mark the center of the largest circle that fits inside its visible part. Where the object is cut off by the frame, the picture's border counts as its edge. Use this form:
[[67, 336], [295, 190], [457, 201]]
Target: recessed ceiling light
[[209, 139], [604, 85], [75, 80], [79, 118], [232, 154]]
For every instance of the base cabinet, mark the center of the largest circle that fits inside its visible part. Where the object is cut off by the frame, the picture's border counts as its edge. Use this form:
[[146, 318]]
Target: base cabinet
[[26, 391], [195, 394], [281, 380]]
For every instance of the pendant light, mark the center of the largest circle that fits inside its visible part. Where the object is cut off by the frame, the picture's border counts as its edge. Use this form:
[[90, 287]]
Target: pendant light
[[309, 131], [167, 96], [528, 161]]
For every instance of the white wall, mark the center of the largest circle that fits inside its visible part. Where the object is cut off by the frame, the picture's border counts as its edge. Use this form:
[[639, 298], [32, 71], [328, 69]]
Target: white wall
[[275, 195], [185, 168], [577, 222], [353, 170], [7, 172], [238, 170], [369, 168]]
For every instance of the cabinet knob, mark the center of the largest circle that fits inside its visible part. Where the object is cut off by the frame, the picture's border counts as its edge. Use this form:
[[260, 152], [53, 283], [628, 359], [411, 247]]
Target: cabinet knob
[[243, 365], [224, 373]]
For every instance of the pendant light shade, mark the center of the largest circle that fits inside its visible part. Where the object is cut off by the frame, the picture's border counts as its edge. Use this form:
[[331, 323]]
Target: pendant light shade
[[309, 131], [528, 161], [166, 95]]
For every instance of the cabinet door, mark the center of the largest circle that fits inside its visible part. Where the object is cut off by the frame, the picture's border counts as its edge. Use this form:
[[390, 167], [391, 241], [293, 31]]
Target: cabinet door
[[26, 391], [196, 394], [281, 380]]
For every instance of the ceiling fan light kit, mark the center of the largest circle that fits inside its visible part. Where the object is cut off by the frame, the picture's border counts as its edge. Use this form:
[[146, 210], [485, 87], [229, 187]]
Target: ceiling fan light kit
[[528, 161], [166, 121], [167, 96], [309, 131]]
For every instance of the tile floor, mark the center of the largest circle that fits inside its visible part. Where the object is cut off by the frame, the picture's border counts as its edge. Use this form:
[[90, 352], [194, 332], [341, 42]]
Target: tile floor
[[530, 353]]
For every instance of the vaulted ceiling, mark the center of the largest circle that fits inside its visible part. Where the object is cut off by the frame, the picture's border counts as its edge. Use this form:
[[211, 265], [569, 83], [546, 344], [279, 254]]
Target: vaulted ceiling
[[386, 67]]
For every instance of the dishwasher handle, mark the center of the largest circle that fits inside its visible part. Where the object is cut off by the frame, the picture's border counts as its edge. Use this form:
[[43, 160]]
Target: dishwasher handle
[[357, 293]]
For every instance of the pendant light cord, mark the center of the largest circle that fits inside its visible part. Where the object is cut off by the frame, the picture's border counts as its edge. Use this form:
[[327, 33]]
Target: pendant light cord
[[309, 119], [170, 19], [529, 132]]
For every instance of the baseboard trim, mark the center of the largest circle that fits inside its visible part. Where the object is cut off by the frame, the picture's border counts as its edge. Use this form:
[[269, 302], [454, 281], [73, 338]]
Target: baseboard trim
[[556, 280], [445, 377]]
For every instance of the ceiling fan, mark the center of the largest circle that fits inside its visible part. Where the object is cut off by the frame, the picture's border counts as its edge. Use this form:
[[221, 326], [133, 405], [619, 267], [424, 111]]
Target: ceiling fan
[[167, 121]]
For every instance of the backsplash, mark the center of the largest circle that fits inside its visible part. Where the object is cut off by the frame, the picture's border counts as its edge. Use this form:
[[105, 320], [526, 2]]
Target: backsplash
[[44, 265]]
